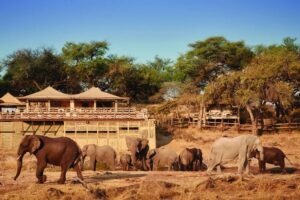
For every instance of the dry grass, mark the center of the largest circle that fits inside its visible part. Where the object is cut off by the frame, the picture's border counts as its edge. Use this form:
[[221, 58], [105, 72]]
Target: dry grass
[[161, 185]]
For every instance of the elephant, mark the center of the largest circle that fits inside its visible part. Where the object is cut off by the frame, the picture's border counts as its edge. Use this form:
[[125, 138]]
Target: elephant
[[227, 149], [61, 151], [102, 154], [162, 157], [272, 155], [125, 161], [138, 148], [190, 159]]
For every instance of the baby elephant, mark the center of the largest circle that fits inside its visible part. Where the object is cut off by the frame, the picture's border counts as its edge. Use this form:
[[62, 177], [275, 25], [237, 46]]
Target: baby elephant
[[190, 159], [125, 161], [272, 155], [102, 154]]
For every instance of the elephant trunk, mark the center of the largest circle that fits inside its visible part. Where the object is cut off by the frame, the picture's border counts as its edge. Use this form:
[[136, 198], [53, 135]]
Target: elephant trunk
[[19, 165]]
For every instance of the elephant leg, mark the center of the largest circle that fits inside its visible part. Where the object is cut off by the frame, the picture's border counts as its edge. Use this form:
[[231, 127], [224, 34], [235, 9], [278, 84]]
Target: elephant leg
[[219, 170], [93, 163], [112, 166], [41, 165], [247, 166], [263, 166], [216, 161], [282, 166], [78, 171], [63, 173], [155, 165]]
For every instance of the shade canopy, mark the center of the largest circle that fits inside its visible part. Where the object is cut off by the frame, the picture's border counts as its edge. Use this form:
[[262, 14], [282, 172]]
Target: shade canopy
[[10, 100]]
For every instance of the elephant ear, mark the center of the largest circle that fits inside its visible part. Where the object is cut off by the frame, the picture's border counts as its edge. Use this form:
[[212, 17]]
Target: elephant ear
[[35, 144]]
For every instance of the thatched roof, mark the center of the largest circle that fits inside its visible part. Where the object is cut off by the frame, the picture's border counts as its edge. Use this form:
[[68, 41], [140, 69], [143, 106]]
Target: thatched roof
[[95, 93], [47, 93], [10, 100]]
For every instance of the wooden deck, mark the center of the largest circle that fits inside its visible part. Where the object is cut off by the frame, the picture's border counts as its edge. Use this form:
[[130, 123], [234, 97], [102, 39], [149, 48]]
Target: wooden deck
[[65, 114]]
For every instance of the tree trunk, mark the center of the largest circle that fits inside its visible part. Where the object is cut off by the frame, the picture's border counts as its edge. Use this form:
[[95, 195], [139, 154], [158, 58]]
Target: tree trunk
[[253, 119]]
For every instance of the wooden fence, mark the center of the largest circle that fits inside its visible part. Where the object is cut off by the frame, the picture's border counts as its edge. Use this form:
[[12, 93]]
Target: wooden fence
[[222, 126]]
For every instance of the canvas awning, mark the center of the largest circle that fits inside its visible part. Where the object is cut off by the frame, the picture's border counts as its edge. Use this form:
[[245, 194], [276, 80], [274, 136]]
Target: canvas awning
[[10, 100], [95, 93], [48, 93]]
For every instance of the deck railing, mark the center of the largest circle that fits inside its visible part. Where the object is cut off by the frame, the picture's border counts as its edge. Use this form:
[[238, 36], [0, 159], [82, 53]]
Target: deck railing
[[75, 114]]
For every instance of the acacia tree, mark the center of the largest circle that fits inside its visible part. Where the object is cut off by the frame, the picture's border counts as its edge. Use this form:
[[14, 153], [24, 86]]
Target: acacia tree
[[210, 58]]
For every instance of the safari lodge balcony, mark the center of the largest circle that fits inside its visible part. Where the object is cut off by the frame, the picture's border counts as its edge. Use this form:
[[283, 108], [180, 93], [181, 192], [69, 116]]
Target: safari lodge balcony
[[52, 105]]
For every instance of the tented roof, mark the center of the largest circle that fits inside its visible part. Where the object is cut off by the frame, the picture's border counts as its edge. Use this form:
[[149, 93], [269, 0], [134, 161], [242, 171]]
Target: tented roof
[[97, 94], [93, 93], [10, 100], [47, 93]]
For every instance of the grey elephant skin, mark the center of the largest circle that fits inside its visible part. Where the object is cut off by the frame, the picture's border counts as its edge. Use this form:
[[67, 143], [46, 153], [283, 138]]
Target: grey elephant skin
[[226, 149], [190, 159], [125, 161], [102, 154], [138, 148], [62, 151], [272, 155], [162, 157]]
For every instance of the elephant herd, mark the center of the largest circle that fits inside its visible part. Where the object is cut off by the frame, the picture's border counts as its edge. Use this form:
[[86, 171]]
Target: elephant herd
[[65, 152]]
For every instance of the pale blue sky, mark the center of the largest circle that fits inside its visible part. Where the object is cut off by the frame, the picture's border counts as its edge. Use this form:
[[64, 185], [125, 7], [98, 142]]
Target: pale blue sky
[[144, 28]]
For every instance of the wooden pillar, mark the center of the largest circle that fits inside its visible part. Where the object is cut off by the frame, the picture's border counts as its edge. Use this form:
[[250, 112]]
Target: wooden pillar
[[95, 104], [72, 104], [49, 105], [27, 105], [116, 106]]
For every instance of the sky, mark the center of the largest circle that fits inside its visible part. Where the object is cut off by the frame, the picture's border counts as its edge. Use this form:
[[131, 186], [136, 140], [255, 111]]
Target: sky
[[144, 28]]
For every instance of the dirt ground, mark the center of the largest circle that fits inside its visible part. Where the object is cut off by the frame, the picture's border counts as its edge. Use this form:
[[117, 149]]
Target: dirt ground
[[162, 184]]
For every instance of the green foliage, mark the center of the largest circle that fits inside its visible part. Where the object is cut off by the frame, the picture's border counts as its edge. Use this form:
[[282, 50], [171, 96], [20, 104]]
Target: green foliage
[[209, 58], [31, 70]]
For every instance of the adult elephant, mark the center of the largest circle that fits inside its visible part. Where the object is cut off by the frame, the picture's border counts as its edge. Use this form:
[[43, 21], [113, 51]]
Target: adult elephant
[[190, 159], [62, 151], [102, 154], [138, 148], [162, 157], [227, 149]]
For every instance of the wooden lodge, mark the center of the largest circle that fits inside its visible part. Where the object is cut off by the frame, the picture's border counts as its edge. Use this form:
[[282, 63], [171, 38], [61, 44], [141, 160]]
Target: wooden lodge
[[92, 116]]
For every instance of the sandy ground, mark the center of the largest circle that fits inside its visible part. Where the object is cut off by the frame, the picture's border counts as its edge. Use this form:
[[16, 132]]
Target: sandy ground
[[162, 184]]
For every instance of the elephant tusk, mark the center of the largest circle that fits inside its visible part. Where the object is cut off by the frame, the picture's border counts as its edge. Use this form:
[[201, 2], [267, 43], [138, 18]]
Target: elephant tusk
[[19, 157]]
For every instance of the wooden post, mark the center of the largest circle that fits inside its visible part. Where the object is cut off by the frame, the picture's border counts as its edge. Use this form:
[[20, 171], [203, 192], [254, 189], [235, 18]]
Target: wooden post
[[95, 104], [97, 132], [116, 106]]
